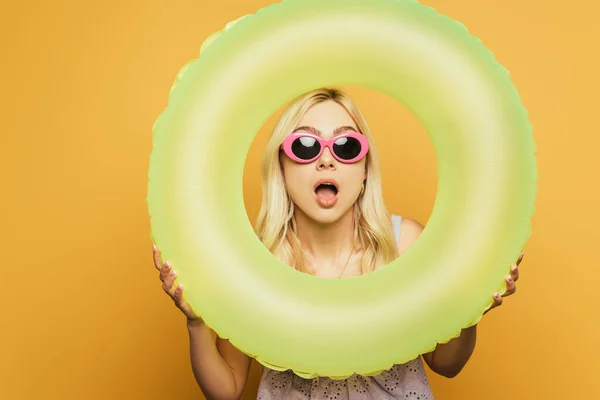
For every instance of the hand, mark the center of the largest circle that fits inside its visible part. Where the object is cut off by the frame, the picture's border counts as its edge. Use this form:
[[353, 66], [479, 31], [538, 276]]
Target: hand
[[511, 286], [167, 276]]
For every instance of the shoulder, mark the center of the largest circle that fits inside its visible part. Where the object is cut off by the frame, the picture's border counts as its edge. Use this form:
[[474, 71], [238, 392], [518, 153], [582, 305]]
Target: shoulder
[[410, 231]]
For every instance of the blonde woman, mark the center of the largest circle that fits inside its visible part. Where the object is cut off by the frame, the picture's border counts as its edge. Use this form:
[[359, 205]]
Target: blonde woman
[[323, 213]]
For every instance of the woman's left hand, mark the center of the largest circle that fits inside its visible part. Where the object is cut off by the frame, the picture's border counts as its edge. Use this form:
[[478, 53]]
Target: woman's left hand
[[511, 284]]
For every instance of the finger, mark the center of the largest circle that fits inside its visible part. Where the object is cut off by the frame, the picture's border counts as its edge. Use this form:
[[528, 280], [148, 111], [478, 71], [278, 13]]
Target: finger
[[181, 303], [520, 258], [165, 271], [497, 301], [511, 286], [514, 272], [168, 283], [157, 260], [178, 295]]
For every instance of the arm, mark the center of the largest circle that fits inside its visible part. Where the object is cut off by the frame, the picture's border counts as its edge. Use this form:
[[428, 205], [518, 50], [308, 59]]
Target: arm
[[221, 370], [447, 359]]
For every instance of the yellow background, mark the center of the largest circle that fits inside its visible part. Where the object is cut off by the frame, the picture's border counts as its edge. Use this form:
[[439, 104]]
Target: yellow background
[[83, 313]]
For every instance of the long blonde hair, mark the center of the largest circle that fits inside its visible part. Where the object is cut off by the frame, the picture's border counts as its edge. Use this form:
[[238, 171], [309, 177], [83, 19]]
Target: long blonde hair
[[276, 225]]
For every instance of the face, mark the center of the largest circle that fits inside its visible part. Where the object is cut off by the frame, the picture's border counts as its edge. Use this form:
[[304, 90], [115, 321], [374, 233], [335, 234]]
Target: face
[[326, 188]]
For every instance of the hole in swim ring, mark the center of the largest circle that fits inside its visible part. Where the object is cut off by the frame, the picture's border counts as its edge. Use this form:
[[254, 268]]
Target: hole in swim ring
[[407, 166]]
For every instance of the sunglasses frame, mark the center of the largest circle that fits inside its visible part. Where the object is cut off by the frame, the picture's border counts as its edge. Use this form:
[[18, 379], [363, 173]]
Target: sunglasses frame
[[286, 146]]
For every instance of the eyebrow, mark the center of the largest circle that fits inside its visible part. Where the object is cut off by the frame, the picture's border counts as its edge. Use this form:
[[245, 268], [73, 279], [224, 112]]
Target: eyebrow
[[317, 132]]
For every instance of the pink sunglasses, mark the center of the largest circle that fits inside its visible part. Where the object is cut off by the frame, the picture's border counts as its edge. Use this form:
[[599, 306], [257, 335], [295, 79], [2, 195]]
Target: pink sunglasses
[[304, 147]]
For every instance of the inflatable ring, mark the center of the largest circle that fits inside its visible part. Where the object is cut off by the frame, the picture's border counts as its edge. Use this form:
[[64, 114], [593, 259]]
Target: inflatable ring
[[481, 217]]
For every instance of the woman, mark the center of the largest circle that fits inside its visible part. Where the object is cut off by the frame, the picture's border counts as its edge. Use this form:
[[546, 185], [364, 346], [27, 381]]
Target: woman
[[323, 213]]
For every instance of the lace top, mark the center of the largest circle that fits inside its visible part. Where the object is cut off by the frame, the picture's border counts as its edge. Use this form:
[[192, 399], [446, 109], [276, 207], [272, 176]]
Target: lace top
[[402, 381]]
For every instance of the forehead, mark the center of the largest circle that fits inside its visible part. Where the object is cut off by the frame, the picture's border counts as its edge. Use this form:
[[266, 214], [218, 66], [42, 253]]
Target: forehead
[[326, 117]]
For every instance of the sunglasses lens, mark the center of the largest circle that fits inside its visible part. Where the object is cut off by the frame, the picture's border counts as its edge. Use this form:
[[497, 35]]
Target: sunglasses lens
[[306, 148], [347, 148]]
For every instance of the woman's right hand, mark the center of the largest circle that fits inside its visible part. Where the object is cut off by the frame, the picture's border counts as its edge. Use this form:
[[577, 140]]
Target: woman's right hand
[[167, 276]]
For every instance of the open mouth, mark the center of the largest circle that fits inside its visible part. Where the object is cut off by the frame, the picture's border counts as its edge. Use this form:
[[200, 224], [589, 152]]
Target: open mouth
[[326, 190]]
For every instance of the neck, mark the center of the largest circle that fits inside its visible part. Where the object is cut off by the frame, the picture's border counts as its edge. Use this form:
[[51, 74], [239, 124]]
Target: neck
[[327, 242]]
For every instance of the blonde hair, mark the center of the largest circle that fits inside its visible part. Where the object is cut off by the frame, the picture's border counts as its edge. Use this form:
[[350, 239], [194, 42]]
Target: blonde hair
[[276, 226]]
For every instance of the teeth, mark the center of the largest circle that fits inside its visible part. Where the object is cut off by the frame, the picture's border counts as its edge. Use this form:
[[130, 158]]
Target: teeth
[[328, 184]]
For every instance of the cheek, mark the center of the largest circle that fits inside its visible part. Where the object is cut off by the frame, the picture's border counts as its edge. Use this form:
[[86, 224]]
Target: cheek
[[296, 177], [355, 175]]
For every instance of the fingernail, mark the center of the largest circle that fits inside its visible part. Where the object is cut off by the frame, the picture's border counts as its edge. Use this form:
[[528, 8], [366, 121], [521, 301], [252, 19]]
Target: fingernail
[[154, 247], [168, 264], [173, 273], [179, 287]]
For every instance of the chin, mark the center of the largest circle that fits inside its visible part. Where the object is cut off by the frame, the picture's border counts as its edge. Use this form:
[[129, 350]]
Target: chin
[[325, 216]]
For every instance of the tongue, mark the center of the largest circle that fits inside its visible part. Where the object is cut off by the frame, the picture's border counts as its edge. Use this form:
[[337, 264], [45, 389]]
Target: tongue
[[325, 192]]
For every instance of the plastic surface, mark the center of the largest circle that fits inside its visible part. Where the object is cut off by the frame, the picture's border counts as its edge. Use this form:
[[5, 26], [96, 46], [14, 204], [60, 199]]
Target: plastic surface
[[443, 283]]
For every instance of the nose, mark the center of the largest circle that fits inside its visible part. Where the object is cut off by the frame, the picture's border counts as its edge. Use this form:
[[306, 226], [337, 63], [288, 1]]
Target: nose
[[326, 160]]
